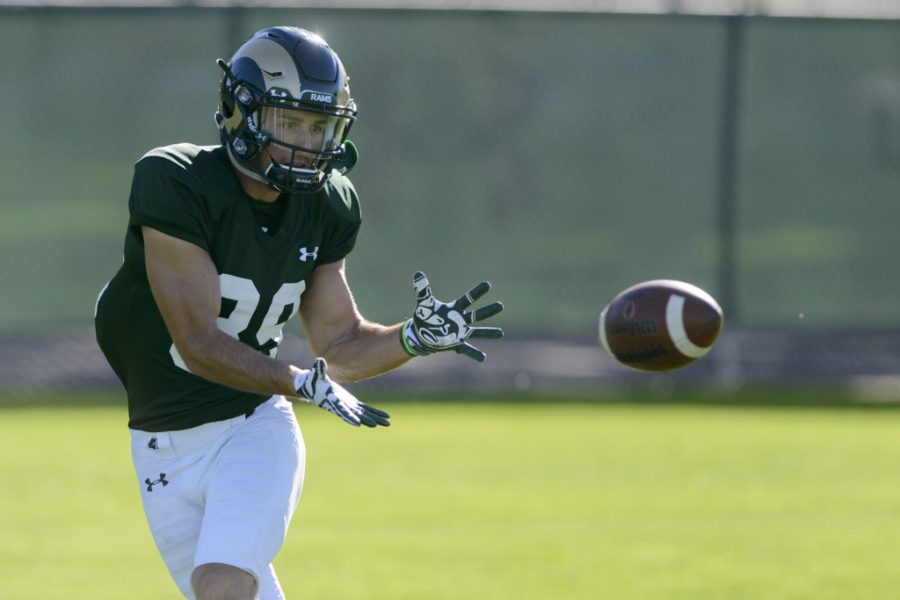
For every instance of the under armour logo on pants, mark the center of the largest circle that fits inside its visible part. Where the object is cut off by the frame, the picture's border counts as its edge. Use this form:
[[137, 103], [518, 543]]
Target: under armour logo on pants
[[162, 480]]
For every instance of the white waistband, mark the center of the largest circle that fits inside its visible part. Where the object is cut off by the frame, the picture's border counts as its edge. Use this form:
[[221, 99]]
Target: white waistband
[[185, 441]]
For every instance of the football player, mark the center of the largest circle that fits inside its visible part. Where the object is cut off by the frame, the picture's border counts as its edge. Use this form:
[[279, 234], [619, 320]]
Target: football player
[[223, 245]]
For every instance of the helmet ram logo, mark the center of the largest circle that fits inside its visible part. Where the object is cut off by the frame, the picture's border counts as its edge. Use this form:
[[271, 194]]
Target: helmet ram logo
[[277, 92]]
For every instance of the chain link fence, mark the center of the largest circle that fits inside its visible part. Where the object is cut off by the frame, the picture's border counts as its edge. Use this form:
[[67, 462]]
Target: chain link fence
[[563, 156]]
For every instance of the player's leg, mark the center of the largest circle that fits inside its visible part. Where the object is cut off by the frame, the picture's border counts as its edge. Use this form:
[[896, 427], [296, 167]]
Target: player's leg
[[269, 586], [251, 494], [168, 485], [223, 582], [176, 540]]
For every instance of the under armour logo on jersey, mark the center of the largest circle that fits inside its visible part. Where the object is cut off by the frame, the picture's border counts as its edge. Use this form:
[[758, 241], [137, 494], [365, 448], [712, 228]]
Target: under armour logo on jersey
[[305, 255], [162, 480]]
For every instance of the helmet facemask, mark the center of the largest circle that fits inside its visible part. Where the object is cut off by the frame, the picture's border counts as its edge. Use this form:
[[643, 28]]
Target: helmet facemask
[[300, 144]]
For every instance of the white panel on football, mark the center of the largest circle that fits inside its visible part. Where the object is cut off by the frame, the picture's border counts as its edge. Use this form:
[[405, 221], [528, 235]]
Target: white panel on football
[[601, 331], [675, 325], [689, 289]]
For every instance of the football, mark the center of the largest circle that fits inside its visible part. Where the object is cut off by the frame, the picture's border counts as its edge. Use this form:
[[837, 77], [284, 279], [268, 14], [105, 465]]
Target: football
[[660, 325]]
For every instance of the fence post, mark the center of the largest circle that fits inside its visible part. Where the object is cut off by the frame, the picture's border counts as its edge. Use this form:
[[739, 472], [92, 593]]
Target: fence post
[[727, 171], [235, 28]]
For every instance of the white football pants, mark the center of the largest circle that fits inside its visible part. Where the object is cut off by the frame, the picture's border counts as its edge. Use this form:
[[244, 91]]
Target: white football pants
[[223, 492]]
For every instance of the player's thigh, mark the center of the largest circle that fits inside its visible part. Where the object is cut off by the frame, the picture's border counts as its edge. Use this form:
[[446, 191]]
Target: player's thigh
[[252, 491], [169, 488]]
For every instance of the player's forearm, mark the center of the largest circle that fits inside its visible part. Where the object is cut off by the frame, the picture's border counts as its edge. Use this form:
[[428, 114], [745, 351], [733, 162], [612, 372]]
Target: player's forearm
[[369, 350], [219, 358]]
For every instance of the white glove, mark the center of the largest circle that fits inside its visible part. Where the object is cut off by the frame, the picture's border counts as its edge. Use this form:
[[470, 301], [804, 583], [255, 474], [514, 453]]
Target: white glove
[[437, 326], [315, 387]]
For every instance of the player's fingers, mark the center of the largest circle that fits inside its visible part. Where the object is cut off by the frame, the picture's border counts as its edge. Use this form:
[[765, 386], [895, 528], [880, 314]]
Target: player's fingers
[[483, 313], [344, 414], [486, 333], [375, 411], [350, 416], [367, 420], [320, 366], [466, 300], [378, 417], [342, 408], [422, 287], [470, 351]]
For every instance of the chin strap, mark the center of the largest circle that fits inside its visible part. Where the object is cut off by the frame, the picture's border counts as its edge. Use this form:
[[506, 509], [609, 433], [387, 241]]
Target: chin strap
[[237, 165]]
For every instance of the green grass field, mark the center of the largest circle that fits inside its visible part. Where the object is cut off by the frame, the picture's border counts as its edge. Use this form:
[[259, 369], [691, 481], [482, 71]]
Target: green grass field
[[536, 500]]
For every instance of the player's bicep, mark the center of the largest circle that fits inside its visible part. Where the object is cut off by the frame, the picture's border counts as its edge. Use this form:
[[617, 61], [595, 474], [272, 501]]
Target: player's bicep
[[327, 309], [185, 285]]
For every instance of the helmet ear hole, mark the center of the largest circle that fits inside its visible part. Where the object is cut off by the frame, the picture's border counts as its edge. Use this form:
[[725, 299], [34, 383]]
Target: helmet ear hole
[[348, 158]]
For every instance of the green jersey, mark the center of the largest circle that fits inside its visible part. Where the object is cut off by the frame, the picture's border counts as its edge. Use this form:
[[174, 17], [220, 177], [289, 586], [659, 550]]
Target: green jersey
[[264, 254]]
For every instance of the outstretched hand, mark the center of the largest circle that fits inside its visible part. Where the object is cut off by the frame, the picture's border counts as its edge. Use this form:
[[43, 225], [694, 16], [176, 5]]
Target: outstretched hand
[[437, 326], [315, 387]]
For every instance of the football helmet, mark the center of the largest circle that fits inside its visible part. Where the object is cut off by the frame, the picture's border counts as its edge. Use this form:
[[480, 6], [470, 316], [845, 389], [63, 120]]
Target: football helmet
[[285, 110]]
